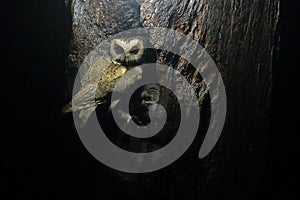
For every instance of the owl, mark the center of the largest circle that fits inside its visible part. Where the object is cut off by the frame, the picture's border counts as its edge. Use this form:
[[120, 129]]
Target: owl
[[101, 77], [150, 95]]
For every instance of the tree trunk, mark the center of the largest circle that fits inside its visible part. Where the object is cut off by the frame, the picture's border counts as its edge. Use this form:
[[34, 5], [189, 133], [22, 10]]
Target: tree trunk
[[240, 36]]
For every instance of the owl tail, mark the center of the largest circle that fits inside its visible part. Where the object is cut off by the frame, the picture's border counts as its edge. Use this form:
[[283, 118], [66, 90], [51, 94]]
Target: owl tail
[[85, 111], [85, 114], [67, 108]]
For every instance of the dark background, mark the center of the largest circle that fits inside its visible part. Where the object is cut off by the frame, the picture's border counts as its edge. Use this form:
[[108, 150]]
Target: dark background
[[42, 157]]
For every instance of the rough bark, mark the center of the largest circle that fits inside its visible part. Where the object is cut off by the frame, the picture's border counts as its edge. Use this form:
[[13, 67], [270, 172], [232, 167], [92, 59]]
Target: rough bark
[[240, 35]]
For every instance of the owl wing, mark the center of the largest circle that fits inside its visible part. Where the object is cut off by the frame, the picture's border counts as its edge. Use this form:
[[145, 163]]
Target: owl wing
[[105, 84], [109, 78], [96, 83], [84, 98], [96, 70]]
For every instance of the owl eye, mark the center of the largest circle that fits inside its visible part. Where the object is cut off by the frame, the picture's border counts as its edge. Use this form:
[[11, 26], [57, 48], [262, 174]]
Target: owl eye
[[134, 50], [119, 50], [147, 98]]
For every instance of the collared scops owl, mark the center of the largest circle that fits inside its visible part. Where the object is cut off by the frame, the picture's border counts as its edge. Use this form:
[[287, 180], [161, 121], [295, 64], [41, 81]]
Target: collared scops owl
[[101, 77]]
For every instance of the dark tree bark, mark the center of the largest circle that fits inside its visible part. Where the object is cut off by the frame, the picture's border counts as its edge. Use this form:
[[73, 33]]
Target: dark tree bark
[[241, 36]]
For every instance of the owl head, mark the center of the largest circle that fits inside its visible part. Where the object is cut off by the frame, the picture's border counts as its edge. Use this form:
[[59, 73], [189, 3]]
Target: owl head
[[127, 50], [150, 94]]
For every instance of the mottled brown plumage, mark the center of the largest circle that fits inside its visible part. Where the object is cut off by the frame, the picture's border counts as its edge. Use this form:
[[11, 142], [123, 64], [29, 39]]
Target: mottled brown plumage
[[95, 85], [102, 76]]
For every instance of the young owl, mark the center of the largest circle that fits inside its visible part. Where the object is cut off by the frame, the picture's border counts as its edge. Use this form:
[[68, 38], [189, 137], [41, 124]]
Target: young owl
[[103, 74], [150, 95]]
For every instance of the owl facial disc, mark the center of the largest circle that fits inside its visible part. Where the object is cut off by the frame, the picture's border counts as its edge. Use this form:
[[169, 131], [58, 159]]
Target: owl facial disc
[[127, 50]]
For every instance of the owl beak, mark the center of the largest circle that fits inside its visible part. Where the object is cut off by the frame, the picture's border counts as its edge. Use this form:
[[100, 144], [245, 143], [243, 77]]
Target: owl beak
[[147, 101], [127, 56]]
